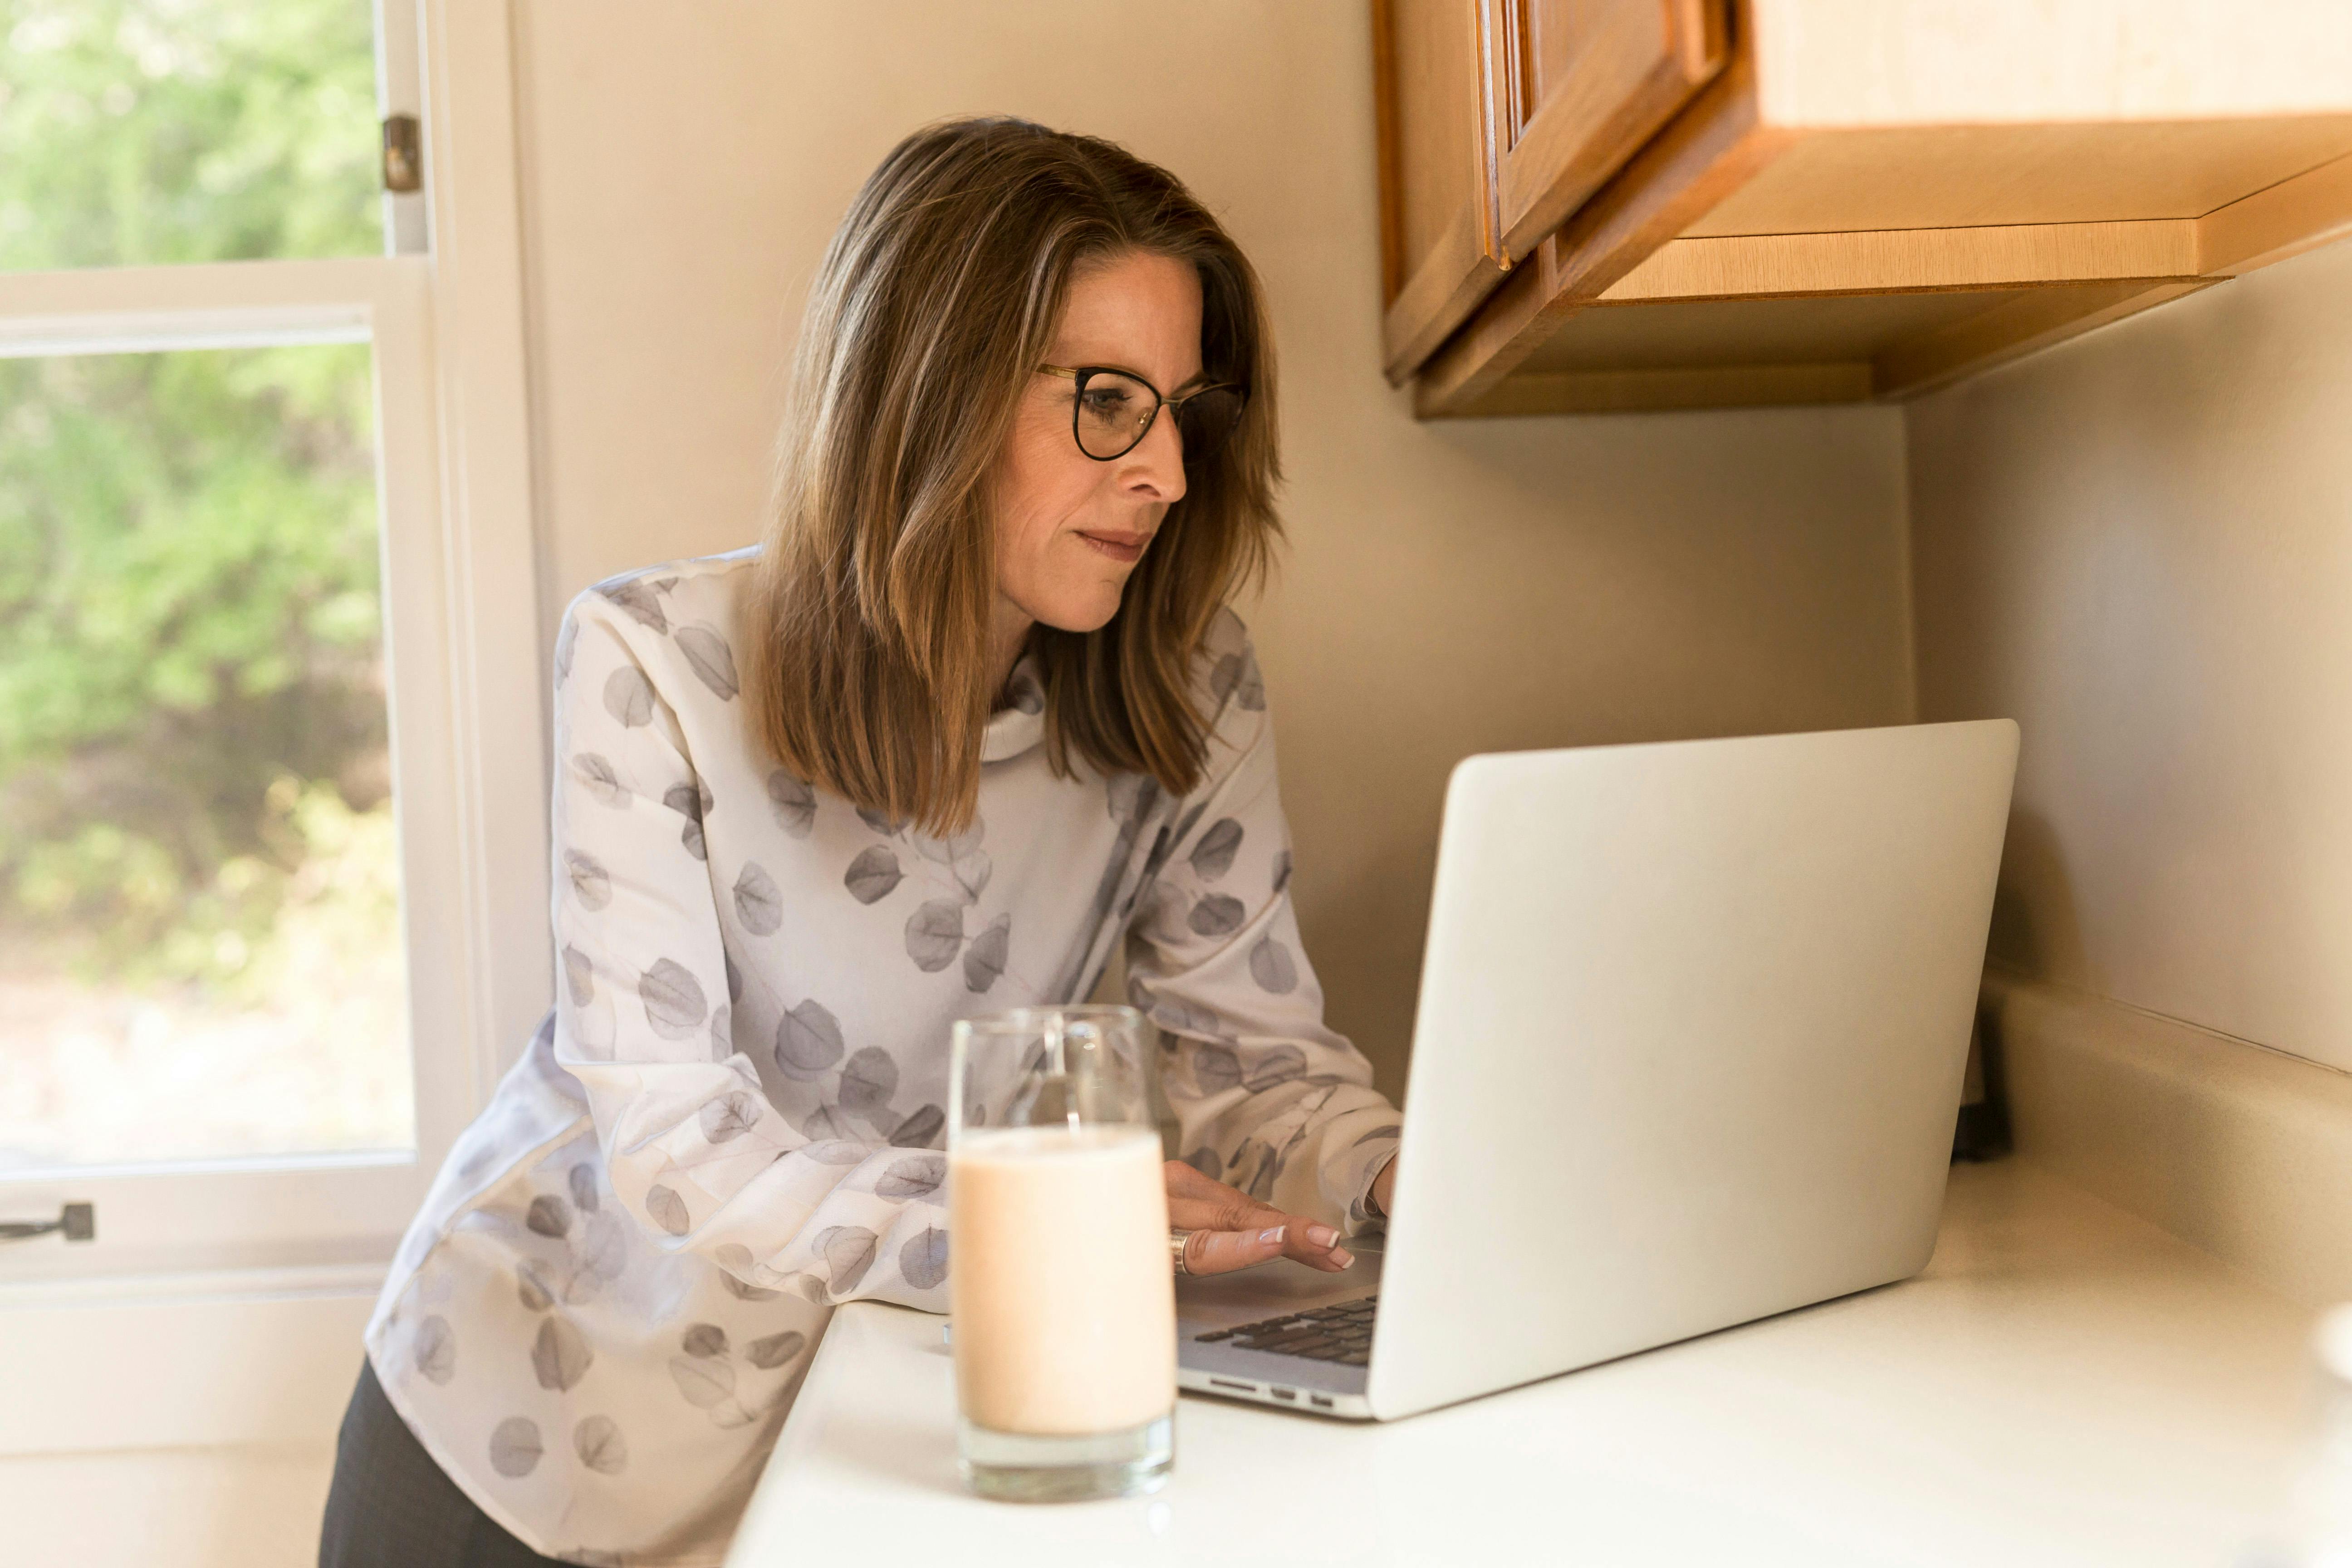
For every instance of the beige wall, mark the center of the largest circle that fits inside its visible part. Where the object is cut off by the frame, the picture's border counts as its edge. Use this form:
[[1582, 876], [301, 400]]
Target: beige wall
[[1450, 589], [2140, 547], [229, 1507]]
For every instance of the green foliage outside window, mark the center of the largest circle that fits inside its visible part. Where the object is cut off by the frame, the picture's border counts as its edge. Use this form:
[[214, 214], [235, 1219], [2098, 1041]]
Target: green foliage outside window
[[192, 721], [159, 131]]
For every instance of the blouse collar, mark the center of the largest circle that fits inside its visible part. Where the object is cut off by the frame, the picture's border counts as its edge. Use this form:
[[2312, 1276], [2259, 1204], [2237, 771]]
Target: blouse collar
[[1016, 729]]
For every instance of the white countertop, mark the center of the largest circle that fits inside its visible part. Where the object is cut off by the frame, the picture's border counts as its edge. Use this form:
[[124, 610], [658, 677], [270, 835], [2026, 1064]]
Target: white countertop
[[2064, 1384]]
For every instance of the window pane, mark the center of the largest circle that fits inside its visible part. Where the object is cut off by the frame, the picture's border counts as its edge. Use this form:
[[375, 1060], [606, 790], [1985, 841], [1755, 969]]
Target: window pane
[[200, 950], [159, 131]]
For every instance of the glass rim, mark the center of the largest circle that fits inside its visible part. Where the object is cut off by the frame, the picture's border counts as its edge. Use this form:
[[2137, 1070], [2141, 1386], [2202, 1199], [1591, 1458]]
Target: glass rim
[[1026, 1020]]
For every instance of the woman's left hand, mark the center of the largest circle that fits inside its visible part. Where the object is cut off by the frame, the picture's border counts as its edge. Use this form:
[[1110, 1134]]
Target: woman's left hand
[[1232, 1230]]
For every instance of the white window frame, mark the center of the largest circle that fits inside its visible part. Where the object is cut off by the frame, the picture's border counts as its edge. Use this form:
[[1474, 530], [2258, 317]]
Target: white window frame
[[465, 649]]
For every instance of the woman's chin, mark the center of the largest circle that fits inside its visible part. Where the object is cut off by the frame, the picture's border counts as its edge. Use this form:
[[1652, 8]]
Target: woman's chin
[[1080, 613]]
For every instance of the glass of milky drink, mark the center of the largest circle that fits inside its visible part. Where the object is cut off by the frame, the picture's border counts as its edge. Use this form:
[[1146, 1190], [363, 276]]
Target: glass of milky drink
[[1062, 1295]]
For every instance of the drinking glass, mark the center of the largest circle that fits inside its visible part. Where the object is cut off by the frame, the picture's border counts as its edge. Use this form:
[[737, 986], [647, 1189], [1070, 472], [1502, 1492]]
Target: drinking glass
[[1063, 1294]]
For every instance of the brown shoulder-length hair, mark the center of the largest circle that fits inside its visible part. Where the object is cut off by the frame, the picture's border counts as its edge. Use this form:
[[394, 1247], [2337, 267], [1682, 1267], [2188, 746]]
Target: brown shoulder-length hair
[[865, 629]]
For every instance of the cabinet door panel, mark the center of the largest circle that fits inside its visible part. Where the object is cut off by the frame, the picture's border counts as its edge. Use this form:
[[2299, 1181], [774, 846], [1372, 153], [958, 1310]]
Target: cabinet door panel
[[1440, 252], [1578, 85]]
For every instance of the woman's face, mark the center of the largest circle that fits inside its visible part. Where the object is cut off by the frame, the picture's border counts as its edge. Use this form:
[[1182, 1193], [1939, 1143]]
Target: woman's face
[[1069, 529]]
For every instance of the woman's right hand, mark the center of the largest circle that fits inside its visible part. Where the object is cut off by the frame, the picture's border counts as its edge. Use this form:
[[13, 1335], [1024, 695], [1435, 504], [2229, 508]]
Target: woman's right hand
[[1232, 1230]]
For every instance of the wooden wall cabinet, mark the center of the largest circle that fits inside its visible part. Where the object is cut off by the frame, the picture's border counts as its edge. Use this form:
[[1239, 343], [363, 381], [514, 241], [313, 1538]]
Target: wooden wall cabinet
[[1498, 118], [1593, 204]]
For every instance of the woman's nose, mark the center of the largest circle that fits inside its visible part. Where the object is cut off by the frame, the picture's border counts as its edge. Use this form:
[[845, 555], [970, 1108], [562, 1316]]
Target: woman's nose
[[1155, 469]]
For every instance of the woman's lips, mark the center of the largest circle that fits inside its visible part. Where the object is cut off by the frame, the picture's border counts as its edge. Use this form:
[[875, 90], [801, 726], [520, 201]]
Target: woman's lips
[[1125, 548]]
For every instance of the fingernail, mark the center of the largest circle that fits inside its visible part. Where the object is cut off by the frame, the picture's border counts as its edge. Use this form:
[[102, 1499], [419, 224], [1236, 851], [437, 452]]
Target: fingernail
[[1272, 1238], [1344, 1260], [1322, 1235]]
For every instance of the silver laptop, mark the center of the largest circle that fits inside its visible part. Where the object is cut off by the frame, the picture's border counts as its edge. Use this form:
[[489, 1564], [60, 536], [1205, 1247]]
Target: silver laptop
[[1688, 1052]]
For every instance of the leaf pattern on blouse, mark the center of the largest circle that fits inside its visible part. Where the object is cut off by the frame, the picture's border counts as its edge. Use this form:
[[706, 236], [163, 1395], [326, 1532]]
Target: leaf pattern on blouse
[[916, 1176], [921, 1128], [1271, 966], [629, 697], [689, 801], [435, 1350], [590, 883], [1212, 857], [560, 1354], [603, 779], [731, 1122], [758, 904], [514, 1447], [923, 1262], [598, 1441], [869, 1079], [984, 961], [578, 976], [774, 1349], [935, 934], [873, 875], [708, 656], [808, 1041], [673, 998], [793, 802]]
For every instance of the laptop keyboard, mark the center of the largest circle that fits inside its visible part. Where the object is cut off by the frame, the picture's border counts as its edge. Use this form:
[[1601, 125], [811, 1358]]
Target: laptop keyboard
[[1341, 1334]]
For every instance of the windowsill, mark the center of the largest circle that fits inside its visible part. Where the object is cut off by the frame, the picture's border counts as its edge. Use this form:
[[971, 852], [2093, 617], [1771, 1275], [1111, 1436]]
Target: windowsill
[[319, 1160], [279, 1282]]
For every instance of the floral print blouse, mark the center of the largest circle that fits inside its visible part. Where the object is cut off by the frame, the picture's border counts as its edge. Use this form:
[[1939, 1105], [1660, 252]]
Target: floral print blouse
[[732, 1119]]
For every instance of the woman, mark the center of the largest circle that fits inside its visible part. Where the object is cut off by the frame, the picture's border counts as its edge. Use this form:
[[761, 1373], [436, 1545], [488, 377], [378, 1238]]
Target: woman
[[973, 713]]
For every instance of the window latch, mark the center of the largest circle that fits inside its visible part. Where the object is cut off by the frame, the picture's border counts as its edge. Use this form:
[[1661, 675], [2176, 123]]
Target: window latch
[[403, 156], [78, 1221]]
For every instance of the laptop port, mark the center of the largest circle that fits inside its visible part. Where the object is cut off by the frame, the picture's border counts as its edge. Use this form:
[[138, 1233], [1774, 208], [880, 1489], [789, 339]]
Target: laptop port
[[1244, 1387], [1317, 1401], [1284, 1393]]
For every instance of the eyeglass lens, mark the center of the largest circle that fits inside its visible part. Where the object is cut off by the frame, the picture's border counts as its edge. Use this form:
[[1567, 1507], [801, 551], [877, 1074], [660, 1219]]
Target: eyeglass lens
[[1115, 411]]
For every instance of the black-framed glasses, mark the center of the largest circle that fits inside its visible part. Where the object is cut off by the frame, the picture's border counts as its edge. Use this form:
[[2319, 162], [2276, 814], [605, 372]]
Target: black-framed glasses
[[1114, 410]]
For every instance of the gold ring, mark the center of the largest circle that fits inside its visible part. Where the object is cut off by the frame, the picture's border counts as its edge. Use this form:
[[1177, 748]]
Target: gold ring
[[1176, 1240]]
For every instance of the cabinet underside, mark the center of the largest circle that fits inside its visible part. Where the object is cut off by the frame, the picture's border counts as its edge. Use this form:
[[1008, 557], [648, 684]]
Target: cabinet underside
[[1703, 353]]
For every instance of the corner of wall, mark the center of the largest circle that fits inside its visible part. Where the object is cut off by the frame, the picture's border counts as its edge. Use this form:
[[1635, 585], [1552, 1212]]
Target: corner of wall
[[1905, 521]]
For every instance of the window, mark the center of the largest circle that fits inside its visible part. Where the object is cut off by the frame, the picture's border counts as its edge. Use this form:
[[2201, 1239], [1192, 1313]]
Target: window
[[148, 132], [201, 903], [242, 881]]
